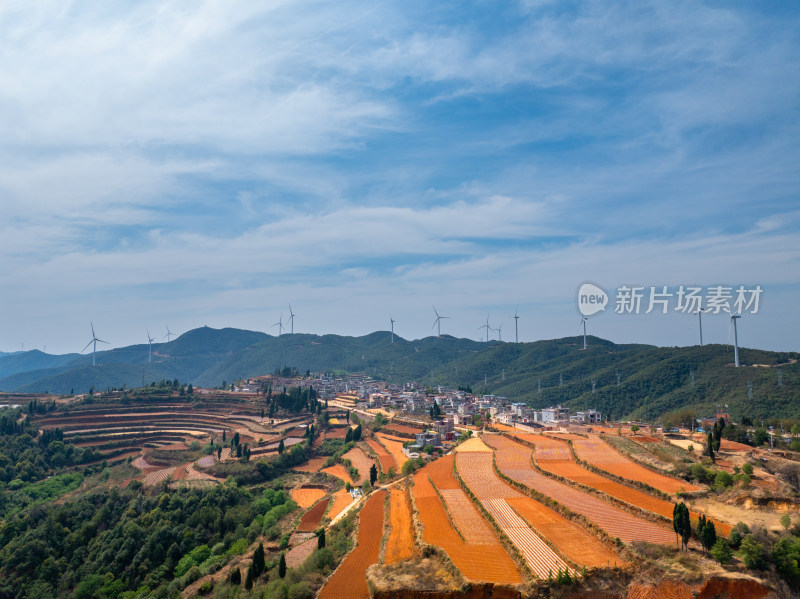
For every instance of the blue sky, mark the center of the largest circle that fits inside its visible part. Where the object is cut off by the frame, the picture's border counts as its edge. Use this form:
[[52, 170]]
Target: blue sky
[[206, 163]]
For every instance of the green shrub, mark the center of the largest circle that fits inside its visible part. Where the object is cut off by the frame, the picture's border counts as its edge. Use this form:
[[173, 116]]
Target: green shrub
[[747, 468], [721, 551], [206, 587], [722, 480], [786, 556], [752, 553], [300, 590]]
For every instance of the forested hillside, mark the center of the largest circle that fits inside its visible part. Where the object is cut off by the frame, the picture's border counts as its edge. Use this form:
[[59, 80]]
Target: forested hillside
[[631, 381]]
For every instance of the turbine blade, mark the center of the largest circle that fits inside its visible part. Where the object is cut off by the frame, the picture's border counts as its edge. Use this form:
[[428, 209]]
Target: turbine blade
[[101, 341], [87, 345]]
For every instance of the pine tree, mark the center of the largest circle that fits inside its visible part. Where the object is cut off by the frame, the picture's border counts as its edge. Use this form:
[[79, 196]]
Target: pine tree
[[248, 581], [236, 577], [282, 566], [281, 447], [321, 539], [258, 561], [373, 475]]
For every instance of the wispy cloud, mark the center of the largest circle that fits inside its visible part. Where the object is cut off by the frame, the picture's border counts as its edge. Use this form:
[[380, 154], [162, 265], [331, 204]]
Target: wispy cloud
[[211, 160]]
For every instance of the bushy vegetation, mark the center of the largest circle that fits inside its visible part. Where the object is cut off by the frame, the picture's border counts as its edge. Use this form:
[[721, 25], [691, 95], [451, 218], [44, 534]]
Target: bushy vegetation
[[119, 543]]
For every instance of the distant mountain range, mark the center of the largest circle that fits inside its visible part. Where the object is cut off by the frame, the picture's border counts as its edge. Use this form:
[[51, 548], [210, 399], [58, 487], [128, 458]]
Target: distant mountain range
[[634, 381]]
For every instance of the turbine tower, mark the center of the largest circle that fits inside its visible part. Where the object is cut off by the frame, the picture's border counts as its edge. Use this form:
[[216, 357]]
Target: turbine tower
[[392, 322], [279, 324], [700, 323], [168, 335], [487, 327], [94, 343], [583, 322], [437, 323], [734, 317], [516, 325], [499, 332], [149, 346], [291, 318]]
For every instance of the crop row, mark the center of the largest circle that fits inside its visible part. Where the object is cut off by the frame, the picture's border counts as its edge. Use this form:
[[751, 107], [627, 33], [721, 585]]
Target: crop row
[[513, 460]]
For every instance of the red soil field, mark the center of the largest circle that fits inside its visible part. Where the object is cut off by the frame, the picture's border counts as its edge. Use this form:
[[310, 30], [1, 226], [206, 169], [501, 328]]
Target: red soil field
[[469, 559], [341, 499], [570, 469], [311, 519], [350, 581], [466, 518], [513, 460], [360, 462], [395, 447], [402, 429], [180, 473], [441, 473], [297, 555], [597, 452], [312, 465], [384, 457], [570, 539], [306, 497], [477, 472], [400, 544], [726, 445], [338, 471]]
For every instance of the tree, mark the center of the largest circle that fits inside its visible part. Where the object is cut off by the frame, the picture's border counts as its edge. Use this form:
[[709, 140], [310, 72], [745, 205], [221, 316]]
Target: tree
[[707, 534], [710, 448], [373, 474], [190, 389], [258, 561], [236, 577], [357, 433], [219, 453], [635, 429], [248, 581], [747, 468], [223, 436], [681, 523], [281, 447], [752, 553], [282, 566], [721, 551], [786, 521], [348, 435], [321, 539]]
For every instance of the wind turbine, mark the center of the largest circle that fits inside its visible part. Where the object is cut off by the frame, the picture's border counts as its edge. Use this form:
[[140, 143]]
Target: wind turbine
[[291, 318], [516, 324], [93, 341], [700, 323], [168, 335], [392, 321], [487, 327], [734, 317], [279, 324], [437, 323], [149, 346], [583, 322], [499, 332]]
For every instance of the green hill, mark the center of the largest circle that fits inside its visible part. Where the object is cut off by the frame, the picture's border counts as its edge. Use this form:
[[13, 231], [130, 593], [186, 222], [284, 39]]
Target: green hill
[[652, 380]]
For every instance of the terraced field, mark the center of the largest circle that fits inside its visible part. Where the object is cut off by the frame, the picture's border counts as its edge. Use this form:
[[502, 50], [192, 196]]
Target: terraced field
[[437, 530], [311, 519], [306, 497], [394, 446], [553, 455], [360, 461], [513, 460], [341, 499], [400, 544], [384, 457], [598, 453], [477, 472], [349, 581]]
